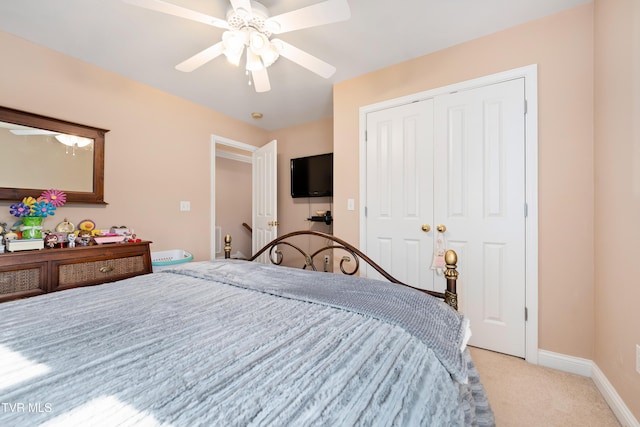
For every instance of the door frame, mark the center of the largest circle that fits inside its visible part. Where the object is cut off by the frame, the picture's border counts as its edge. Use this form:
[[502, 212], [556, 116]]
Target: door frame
[[213, 153], [530, 75]]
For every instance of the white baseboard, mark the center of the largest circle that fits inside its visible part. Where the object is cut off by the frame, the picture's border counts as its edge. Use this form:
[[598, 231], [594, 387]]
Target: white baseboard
[[622, 412], [561, 362], [588, 368]]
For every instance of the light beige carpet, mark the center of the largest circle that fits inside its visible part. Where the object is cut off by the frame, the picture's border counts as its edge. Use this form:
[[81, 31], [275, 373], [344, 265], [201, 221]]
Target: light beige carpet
[[522, 394]]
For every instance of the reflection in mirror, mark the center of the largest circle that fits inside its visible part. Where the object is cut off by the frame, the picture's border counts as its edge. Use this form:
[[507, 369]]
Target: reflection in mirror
[[38, 156], [49, 153]]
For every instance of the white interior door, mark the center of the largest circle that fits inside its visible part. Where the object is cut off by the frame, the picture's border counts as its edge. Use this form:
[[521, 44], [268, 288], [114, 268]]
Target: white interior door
[[479, 190], [265, 197], [399, 191]]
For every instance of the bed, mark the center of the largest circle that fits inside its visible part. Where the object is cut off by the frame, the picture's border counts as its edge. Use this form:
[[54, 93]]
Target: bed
[[237, 343]]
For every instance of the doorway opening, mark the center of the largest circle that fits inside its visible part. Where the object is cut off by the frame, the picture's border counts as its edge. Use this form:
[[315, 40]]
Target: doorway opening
[[231, 195]]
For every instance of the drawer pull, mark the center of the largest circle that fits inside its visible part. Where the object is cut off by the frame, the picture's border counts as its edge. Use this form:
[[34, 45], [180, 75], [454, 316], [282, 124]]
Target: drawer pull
[[106, 269]]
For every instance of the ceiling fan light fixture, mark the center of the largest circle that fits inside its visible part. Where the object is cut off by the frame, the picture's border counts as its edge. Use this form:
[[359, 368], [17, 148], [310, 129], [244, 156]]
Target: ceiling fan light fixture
[[260, 45], [233, 39], [233, 56], [73, 140], [277, 45], [253, 61], [269, 56], [258, 42], [233, 42]]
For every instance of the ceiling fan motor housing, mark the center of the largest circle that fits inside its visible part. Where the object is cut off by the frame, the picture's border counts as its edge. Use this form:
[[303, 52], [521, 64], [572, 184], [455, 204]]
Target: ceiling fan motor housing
[[249, 28], [255, 18]]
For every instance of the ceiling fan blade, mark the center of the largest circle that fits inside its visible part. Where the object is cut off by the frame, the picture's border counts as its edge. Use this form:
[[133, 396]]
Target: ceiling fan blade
[[261, 80], [241, 4], [304, 59], [182, 12], [199, 59], [327, 12]]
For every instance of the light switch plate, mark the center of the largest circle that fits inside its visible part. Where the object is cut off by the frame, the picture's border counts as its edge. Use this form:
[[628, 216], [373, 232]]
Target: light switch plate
[[638, 358], [185, 205], [351, 204]]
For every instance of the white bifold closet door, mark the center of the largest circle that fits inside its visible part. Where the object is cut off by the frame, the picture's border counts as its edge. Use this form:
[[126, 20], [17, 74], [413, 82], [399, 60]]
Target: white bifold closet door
[[456, 160]]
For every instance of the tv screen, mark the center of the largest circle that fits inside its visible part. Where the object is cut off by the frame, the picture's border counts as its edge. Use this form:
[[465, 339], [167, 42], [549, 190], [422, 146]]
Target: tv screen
[[312, 176]]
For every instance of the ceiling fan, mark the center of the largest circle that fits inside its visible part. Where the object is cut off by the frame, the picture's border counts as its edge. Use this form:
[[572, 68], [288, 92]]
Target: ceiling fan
[[249, 28]]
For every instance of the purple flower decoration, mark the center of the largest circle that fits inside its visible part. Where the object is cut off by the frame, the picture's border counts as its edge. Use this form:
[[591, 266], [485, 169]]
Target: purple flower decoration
[[43, 208], [20, 210]]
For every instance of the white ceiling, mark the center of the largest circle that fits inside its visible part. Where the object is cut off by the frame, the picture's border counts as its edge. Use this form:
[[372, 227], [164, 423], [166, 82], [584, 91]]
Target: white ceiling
[[145, 46]]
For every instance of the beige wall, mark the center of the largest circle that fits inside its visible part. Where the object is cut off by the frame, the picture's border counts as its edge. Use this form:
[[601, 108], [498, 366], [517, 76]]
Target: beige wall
[[617, 194], [562, 46], [157, 151], [300, 141], [233, 203]]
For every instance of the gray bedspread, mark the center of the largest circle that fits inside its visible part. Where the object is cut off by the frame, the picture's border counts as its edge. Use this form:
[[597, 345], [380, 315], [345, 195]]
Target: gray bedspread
[[429, 319], [198, 347]]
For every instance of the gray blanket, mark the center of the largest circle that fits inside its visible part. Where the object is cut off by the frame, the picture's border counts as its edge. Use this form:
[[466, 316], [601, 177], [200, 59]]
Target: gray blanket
[[429, 319], [174, 348]]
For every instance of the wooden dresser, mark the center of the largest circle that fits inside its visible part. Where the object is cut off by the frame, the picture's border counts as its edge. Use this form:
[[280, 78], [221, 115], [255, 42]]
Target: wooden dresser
[[28, 273]]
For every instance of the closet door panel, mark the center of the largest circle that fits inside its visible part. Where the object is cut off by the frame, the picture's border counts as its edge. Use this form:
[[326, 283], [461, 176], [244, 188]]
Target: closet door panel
[[479, 192], [399, 191]]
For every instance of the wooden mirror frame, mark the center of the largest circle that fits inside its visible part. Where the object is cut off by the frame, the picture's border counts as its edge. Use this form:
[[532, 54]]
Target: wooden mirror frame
[[24, 118]]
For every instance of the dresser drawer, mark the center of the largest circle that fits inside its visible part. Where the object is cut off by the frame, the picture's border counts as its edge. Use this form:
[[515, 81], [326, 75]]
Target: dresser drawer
[[100, 271], [23, 281]]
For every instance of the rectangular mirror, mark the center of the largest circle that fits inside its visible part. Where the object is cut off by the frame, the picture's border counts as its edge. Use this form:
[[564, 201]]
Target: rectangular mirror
[[41, 153]]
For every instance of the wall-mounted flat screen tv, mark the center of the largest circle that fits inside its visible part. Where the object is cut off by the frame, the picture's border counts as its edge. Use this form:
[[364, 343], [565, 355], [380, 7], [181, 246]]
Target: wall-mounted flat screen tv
[[312, 176]]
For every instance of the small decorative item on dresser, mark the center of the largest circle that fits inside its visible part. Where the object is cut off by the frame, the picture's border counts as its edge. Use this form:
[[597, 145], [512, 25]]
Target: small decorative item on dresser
[[33, 211], [108, 238], [65, 227], [86, 225], [134, 239], [123, 229], [32, 227], [51, 241], [24, 244], [55, 239], [85, 238], [3, 230]]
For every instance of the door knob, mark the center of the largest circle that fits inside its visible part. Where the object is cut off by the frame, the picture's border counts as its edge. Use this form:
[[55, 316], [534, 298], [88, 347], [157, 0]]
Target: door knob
[[426, 228], [274, 223], [441, 228]]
